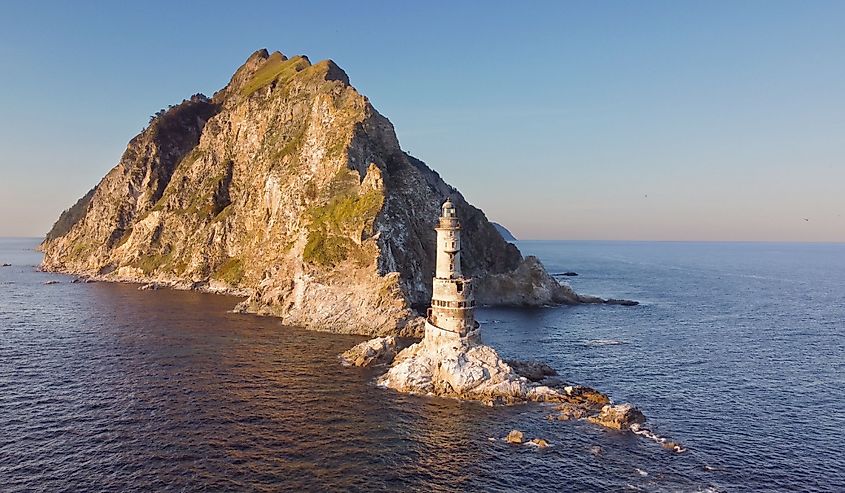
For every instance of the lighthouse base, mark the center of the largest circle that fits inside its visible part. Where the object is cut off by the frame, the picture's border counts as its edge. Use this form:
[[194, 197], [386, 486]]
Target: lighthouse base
[[436, 336]]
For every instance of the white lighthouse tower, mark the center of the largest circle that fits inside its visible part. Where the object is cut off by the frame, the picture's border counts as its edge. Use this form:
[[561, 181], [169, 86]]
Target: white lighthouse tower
[[451, 317]]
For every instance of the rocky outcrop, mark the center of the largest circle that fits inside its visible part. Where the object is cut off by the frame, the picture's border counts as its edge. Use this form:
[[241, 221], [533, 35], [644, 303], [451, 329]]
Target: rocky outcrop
[[473, 371], [618, 417], [510, 288], [459, 370], [374, 352], [534, 371], [287, 187]]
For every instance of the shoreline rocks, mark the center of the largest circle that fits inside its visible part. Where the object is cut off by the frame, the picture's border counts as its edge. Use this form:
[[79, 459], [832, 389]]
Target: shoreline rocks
[[472, 371], [534, 371], [374, 352]]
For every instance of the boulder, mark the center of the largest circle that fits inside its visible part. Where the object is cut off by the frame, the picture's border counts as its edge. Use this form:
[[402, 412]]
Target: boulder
[[618, 417], [374, 352], [515, 436]]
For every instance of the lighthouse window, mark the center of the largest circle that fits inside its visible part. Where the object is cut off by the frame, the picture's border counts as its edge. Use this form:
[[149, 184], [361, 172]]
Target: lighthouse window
[[459, 286]]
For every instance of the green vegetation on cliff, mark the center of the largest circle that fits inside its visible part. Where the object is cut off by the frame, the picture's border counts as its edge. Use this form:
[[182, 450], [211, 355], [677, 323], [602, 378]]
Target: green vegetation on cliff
[[334, 224], [275, 68], [230, 271]]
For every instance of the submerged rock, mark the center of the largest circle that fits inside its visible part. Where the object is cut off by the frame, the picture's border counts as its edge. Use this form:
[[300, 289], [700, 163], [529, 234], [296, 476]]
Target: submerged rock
[[47, 283], [7, 265], [378, 351], [613, 301], [152, 286], [618, 417]]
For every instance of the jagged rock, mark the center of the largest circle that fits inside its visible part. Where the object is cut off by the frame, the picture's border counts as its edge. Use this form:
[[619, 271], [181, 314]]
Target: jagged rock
[[378, 351], [534, 371], [515, 436], [539, 442], [289, 187], [585, 396], [618, 417]]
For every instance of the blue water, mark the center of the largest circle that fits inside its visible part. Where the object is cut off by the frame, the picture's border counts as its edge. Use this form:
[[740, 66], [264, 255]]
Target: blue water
[[737, 352]]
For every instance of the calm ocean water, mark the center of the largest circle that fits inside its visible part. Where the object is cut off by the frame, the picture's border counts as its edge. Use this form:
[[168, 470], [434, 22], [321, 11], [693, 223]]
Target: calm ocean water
[[737, 352]]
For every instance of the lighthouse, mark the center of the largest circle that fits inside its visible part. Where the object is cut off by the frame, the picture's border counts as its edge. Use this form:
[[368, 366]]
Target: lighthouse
[[451, 317]]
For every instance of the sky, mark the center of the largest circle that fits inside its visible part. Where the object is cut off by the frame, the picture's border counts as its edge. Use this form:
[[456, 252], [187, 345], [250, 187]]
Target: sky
[[670, 120]]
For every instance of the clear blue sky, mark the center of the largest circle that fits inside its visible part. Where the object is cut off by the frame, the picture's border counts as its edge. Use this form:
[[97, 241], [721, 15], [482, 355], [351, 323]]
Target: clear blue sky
[[589, 120]]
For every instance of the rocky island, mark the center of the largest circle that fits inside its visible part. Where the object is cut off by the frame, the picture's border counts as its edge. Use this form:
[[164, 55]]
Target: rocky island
[[287, 187]]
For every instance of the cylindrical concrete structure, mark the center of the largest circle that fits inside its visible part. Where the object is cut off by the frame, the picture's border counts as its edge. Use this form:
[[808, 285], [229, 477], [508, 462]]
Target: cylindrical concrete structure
[[452, 312]]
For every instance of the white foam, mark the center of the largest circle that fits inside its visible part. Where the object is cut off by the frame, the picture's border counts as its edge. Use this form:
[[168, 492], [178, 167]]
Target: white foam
[[645, 432], [603, 342]]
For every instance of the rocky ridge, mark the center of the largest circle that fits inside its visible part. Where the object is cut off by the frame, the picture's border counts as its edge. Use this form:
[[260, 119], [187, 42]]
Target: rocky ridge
[[289, 188], [474, 371]]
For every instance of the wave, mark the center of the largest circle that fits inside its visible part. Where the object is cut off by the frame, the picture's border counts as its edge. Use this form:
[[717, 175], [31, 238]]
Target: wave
[[663, 441]]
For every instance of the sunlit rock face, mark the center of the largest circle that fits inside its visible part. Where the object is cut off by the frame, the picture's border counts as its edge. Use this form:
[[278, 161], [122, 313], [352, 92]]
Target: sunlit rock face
[[289, 188]]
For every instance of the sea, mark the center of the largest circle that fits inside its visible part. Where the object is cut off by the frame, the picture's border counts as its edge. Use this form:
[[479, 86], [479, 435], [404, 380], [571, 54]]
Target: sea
[[736, 352]]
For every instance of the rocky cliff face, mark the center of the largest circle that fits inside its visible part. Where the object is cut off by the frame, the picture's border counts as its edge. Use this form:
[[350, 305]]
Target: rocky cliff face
[[288, 187]]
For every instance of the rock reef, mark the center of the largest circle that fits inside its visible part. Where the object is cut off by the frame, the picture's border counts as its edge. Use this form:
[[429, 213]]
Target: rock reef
[[473, 371]]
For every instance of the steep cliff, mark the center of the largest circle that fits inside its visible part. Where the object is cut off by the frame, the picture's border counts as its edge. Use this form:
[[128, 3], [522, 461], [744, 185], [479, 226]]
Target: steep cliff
[[288, 187]]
